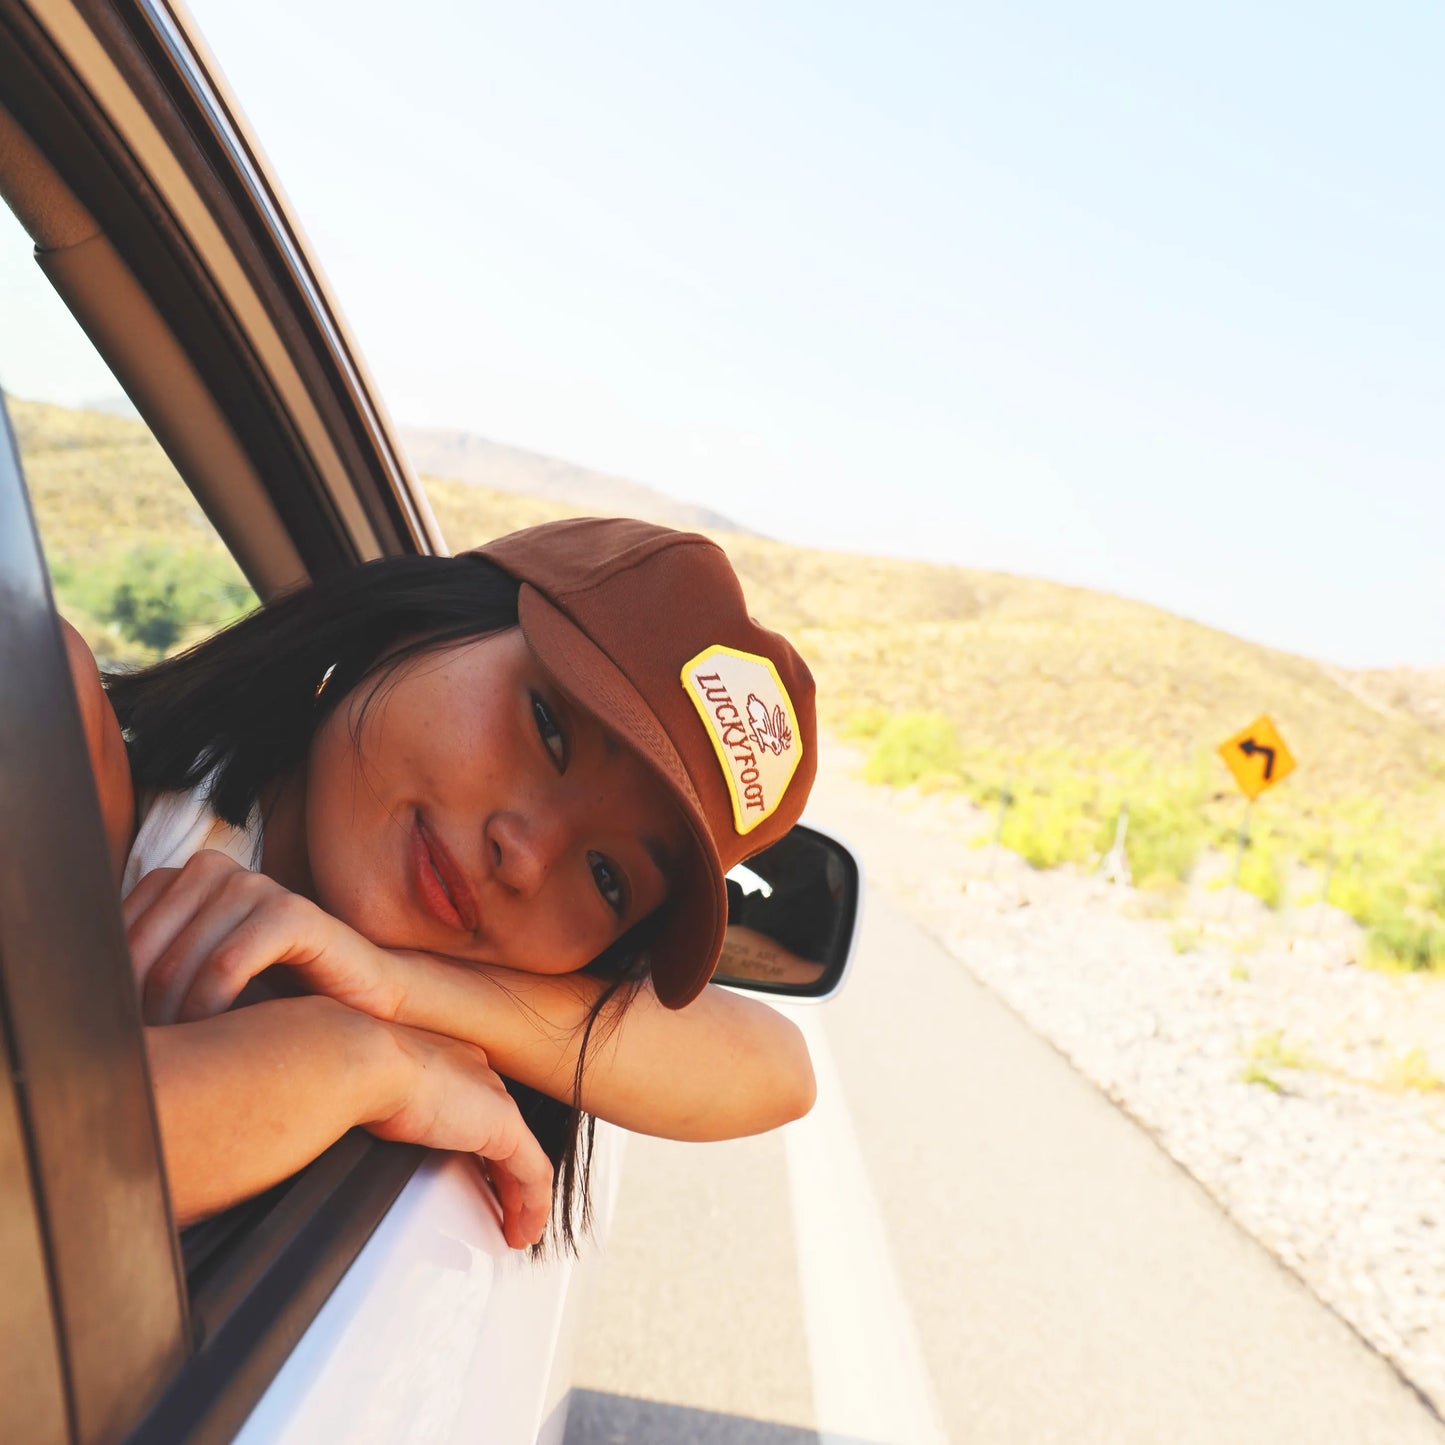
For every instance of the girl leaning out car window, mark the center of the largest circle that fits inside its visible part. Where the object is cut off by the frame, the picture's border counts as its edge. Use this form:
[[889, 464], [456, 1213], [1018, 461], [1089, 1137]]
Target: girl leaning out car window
[[439, 820]]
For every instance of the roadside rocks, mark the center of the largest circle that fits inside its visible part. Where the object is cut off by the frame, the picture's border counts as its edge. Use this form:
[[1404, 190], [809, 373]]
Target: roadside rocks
[[1301, 1090]]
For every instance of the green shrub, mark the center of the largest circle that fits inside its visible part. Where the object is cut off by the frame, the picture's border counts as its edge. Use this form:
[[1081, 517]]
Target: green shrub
[[913, 746], [1053, 813], [1429, 877], [1400, 940], [1272, 1050], [62, 576], [1164, 838], [1411, 1070], [984, 776], [154, 594], [1257, 1074], [1046, 830], [864, 724], [1260, 874], [1367, 893]]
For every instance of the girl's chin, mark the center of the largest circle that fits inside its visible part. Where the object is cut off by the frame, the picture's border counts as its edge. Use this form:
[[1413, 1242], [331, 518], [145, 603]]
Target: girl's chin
[[549, 969]]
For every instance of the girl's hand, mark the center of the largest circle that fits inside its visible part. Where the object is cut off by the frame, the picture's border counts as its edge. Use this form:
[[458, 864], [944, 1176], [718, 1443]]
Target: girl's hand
[[199, 934], [449, 1098]]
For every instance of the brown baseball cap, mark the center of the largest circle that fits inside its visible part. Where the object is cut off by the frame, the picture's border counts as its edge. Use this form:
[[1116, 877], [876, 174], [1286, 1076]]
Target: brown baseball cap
[[646, 628]]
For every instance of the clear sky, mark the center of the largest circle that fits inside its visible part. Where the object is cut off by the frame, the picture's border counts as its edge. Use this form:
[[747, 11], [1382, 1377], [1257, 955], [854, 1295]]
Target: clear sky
[[1144, 297]]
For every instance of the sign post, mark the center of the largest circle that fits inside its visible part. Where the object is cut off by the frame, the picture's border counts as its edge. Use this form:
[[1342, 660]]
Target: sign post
[[1243, 839], [1005, 802]]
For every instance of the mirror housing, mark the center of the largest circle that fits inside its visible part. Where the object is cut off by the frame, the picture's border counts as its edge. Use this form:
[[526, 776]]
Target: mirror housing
[[793, 913]]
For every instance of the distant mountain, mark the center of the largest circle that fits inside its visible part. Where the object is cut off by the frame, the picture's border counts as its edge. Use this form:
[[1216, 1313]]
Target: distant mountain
[[1419, 691], [116, 405], [466, 457]]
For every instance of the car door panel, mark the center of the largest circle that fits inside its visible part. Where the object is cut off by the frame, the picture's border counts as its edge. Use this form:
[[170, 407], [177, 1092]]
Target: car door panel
[[31, 1381], [74, 1021], [439, 1332]]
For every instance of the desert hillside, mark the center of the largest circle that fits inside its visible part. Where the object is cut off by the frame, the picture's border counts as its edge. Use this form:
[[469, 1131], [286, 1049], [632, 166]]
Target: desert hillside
[[1022, 665], [1073, 702]]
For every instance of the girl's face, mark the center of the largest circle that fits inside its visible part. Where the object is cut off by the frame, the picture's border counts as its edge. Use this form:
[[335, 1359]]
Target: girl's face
[[475, 810]]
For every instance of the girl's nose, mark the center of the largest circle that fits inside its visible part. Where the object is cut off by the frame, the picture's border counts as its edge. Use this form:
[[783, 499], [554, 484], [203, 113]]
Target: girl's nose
[[524, 848]]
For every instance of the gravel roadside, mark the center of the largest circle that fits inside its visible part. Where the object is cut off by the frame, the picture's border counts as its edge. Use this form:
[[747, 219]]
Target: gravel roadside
[[1300, 1089]]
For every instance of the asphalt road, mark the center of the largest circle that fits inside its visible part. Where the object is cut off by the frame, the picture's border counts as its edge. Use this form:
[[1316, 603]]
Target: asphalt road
[[964, 1241]]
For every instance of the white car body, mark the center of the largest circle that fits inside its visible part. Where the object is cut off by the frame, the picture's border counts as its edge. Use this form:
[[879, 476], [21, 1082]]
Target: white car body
[[438, 1332]]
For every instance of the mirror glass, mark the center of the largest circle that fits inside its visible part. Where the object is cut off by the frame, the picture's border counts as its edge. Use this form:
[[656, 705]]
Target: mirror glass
[[792, 910]]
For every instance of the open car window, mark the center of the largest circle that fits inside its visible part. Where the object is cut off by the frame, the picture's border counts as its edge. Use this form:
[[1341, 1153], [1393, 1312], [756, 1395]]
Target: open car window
[[135, 565]]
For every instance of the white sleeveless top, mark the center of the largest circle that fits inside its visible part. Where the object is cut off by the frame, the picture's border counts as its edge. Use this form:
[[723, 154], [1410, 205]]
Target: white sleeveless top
[[173, 826]]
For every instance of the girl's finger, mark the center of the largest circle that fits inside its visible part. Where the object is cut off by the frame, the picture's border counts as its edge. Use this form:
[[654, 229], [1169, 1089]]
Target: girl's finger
[[140, 898], [524, 1212], [277, 928], [165, 898], [157, 912], [162, 913], [173, 976], [522, 1179]]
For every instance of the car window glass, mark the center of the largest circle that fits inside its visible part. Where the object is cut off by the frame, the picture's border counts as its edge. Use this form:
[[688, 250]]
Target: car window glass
[[134, 562]]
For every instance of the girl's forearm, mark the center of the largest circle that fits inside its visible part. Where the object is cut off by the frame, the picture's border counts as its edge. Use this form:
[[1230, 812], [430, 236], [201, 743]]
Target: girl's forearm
[[246, 1098], [722, 1067]]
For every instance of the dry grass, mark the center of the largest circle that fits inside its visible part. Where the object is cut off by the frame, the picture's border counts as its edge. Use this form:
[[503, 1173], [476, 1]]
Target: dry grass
[[97, 482]]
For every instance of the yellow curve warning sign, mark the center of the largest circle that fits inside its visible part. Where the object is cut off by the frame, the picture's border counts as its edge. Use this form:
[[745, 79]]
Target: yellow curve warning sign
[[1258, 757]]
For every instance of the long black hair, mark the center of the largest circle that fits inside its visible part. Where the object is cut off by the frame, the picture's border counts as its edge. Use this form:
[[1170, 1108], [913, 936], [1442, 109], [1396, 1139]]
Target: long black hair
[[240, 709]]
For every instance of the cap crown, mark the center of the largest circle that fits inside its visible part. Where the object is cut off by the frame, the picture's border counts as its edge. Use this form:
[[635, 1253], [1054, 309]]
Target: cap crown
[[734, 700]]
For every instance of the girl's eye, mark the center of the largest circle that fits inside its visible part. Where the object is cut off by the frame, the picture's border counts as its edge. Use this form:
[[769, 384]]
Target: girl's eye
[[549, 732], [610, 885]]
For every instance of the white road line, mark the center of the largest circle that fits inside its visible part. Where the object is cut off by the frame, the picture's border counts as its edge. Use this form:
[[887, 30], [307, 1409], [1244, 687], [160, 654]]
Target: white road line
[[869, 1379]]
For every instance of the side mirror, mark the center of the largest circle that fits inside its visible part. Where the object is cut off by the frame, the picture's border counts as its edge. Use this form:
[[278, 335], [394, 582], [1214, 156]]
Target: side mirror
[[792, 917]]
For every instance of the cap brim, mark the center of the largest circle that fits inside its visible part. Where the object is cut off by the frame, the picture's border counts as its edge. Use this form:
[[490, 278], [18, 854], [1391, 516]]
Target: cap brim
[[690, 940]]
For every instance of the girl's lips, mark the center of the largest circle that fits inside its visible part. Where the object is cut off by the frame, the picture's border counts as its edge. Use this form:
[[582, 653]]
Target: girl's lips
[[440, 882]]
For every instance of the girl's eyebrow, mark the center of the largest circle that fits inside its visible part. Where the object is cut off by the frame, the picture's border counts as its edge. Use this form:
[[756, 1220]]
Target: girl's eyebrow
[[661, 856]]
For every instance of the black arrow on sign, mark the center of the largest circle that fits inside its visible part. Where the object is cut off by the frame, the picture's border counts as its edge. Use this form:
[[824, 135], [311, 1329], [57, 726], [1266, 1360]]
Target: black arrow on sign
[[1249, 748]]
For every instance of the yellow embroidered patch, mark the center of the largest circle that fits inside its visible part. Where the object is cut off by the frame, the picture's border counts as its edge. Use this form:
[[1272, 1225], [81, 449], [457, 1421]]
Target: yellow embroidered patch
[[750, 721]]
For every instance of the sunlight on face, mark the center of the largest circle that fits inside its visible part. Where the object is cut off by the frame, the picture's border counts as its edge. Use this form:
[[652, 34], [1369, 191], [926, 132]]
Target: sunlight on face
[[464, 804]]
